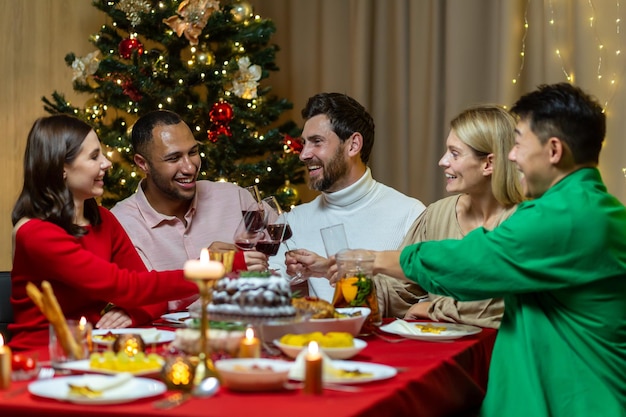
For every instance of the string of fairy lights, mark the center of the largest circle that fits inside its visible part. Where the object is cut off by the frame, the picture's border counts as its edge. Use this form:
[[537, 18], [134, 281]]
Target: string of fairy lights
[[556, 22], [610, 67]]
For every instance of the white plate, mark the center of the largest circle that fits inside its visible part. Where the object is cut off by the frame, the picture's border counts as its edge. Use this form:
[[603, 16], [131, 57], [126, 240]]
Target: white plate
[[83, 367], [176, 317], [150, 336], [333, 353], [411, 331], [134, 389], [378, 372]]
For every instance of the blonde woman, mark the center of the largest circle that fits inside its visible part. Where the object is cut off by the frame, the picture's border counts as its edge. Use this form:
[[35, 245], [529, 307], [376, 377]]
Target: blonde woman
[[486, 190]]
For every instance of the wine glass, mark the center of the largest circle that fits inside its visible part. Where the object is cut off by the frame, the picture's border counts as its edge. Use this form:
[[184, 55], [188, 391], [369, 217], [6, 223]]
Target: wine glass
[[252, 209], [279, 232], [251, 227], [276, 228]]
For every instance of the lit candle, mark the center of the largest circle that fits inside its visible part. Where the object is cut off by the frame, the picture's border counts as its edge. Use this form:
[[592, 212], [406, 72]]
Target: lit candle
[[313, 370], [85, 335], [203, 268], [5, 365], [250, 346]]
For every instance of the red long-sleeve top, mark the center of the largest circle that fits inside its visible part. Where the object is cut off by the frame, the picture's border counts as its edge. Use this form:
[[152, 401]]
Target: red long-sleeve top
[[86, 273]]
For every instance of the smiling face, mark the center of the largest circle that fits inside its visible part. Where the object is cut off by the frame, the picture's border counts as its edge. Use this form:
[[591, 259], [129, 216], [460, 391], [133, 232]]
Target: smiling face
[[84, 177], [172, 164], [464, 170], [533, 160], [324, 155]]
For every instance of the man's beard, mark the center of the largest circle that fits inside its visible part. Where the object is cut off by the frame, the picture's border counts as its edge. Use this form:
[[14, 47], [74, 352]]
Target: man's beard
[[334, 170]]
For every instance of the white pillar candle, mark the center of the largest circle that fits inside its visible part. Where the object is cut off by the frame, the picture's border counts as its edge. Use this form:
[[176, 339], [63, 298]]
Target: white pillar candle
[[203, 268]]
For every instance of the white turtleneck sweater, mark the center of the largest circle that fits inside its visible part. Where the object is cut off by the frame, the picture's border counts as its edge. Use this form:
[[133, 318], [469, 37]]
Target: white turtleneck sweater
[[374, 215]]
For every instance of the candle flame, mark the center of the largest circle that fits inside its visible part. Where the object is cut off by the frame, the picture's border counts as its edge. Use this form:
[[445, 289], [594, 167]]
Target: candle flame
[[82, 323], [1, 340], [314, 348], [204, 256], [249, 334]]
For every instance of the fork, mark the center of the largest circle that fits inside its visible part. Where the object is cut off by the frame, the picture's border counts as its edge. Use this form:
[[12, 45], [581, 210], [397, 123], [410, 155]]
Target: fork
[[44, 373]]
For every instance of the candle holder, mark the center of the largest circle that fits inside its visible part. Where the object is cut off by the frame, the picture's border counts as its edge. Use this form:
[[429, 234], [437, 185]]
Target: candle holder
[[205, 367], [204, 273]]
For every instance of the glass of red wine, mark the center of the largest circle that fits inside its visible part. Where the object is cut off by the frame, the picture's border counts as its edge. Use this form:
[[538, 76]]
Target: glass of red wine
[[251, 227]]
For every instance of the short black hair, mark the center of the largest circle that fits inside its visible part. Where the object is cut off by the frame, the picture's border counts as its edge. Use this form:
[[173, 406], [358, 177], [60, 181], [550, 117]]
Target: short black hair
[[142, 129], [568, 113]]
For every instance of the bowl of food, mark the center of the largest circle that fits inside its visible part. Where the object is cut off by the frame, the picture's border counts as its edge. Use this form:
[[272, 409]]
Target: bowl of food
[[292, 344], [348, 320], [253, 374]]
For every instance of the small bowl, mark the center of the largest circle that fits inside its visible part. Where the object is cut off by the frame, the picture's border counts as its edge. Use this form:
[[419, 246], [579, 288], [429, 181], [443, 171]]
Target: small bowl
[[253, 374], [272, 331], [333, 353]]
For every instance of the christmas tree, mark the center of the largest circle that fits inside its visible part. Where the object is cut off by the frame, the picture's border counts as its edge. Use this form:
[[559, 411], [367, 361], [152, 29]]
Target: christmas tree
[[203, 59]]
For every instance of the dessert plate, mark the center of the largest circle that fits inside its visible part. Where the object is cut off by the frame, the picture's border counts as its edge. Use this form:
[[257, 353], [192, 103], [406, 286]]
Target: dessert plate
[[439, 332], [333, 353], [132, 390], [149, 335], [352, 372]]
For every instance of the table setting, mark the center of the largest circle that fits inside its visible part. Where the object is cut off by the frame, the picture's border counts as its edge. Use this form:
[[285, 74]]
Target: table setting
[[274, 367]]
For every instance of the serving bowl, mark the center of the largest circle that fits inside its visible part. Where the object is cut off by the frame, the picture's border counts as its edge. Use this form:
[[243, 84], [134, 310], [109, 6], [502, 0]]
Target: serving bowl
[[333, 353], [253, 374], [271, 331]]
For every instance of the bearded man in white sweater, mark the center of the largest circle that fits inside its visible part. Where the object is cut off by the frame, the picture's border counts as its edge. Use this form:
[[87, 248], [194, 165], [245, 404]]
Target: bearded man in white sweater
[[338, 138]]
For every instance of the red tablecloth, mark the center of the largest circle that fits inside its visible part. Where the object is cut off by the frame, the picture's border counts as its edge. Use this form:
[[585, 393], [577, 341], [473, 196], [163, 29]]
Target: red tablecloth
[[436, 379]]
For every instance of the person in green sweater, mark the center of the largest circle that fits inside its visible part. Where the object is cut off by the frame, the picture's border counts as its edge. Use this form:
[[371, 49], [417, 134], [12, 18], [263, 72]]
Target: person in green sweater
[[559, 262]]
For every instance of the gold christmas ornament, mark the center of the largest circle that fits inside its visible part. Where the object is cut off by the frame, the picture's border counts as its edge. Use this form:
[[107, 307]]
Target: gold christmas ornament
[[289, 194], [241, 11]]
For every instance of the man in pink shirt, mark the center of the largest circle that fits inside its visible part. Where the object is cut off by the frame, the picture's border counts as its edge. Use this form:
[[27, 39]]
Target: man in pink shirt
[[172, 216]]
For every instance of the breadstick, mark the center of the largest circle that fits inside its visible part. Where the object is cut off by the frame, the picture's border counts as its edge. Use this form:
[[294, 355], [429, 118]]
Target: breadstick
[[33, 292], [53, 311]]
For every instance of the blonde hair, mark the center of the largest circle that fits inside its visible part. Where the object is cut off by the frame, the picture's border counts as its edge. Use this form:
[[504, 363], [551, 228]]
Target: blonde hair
[[490, 129]]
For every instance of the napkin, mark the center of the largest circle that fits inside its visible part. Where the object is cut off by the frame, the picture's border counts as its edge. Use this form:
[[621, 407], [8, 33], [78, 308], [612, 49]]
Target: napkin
[[402, 327], [94, 385], [298, 369], [149, 334]]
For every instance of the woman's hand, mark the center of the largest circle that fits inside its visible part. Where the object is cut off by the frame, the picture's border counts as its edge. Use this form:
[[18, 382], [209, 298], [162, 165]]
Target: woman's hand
[[418, 311], [115, 318]]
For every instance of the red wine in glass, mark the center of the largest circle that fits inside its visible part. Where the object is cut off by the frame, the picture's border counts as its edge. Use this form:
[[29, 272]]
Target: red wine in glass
[[244, 244], [254, 220], [268, 247], [276, 231]]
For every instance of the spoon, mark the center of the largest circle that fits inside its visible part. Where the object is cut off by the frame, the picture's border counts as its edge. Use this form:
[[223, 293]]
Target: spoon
[[207, 387]]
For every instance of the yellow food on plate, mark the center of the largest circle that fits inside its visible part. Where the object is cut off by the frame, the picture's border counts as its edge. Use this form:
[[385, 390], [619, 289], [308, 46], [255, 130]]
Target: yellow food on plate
[[328, 340], [122, 362], [429, 328]]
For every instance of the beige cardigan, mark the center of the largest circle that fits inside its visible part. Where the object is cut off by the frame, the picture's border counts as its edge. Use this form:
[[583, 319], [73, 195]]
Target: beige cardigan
[[437, 222]]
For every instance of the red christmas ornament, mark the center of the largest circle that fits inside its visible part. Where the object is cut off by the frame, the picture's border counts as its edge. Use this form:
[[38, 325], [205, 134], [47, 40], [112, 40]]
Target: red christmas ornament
[[221, 113], [128, 46], [294, 145], [219, 130]]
